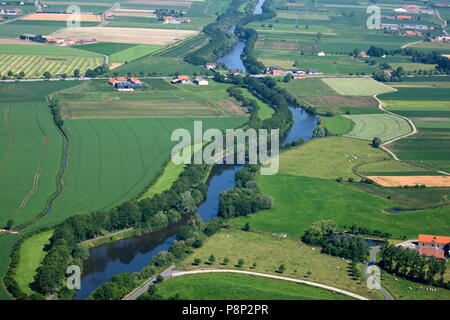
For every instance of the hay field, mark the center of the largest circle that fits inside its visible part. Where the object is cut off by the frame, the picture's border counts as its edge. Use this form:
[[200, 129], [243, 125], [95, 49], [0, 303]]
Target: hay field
[[400, 181], [62, 17], [124, 35]]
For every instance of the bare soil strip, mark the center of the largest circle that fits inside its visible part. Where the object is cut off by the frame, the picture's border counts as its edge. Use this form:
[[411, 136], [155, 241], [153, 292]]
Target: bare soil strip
[[411, 181], [17, 41], [124, 35], [39, 170], [114, 65], [62, 17], [11, 141]]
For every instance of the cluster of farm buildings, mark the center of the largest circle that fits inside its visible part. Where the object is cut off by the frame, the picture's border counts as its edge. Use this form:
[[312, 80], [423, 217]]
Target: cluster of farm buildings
[[175, 20], [182, 79], [277, 71], [126, 84], [56, 41], [429, 245]]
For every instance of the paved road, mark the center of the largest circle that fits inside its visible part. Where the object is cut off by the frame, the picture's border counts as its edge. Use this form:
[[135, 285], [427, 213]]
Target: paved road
[[144, 288], [373, 259]]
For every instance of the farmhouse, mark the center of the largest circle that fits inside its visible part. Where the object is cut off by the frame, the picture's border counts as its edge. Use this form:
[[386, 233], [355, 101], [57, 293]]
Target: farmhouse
[[413, 33], [211, 65], [175, 20], [278, 71], [121, 83], [321, 54], [363, 54], [28, 36], [404, 18], [389, 26], [400, 10], [201, 81], [181, 79], [11, 12], [431, 245]]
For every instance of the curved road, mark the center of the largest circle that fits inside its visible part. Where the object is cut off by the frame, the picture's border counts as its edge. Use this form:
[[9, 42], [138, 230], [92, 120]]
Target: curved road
[[373, 259], [169, 273]]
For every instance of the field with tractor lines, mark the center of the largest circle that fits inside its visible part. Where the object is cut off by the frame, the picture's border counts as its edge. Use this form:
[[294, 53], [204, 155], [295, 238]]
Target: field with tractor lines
[[384, 126], [357, 86], [27, 182], [35, 65], [112, 160]]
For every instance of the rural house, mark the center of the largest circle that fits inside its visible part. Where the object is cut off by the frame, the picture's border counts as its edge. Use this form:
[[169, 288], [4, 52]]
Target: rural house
[[321, 54], [211, 65], [121, 83], [430, 245], [181, 79]]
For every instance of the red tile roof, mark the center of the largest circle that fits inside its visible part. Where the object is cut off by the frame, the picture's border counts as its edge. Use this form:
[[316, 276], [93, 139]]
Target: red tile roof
[[181, 77], [437, 239], [404, 17], [121, 78]]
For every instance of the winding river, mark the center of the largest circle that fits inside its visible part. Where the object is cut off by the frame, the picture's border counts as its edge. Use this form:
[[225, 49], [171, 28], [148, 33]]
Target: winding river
[[133, 254]]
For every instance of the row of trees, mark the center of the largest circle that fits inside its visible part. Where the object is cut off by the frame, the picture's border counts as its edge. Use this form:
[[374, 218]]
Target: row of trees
[[413, 266]]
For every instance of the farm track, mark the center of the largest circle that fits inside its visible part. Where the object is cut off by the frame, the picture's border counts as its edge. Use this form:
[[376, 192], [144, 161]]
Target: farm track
[[11, 141], [43, 157]]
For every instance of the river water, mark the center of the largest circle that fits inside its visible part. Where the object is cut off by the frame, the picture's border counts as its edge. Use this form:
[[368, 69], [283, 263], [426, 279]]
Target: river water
[[133, 254]]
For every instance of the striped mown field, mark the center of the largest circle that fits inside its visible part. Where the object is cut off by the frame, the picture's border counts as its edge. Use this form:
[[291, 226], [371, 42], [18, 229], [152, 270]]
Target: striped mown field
[[35, 65]]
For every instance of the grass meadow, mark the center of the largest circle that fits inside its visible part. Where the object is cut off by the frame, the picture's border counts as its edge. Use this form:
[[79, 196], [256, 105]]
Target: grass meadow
[[338, 125], [6, 244], [268, 251], [31, 255], [229, 286]]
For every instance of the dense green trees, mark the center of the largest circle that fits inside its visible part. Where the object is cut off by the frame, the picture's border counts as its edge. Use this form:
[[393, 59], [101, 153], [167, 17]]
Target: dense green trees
[[413, 266], [376, 142]]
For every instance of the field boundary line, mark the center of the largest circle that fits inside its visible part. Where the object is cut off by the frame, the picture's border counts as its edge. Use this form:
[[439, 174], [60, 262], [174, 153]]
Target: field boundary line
[[11, 141], [264, 275]]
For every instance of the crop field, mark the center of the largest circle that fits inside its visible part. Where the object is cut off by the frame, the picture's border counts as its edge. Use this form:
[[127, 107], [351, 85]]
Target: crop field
[[411, 181], [27, 182], [357, 86], [15, 28], [35, 65], [309, 87], [182, 48], [44, 50], [107, 48], [31, 255], [414, 93], [161, 100], [124, 35], [134, 53], [229, 286], [384, 126], [111, 160], [269, 251]]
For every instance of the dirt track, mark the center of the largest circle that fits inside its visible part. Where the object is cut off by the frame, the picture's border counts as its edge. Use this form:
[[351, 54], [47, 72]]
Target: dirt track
[[400, 181]]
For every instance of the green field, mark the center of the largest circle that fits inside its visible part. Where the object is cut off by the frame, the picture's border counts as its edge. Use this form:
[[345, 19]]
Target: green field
[[264, 111], [6, 244], [31, 255], [357, 86], [112, 160], [15, 28], [229, 286], [338, 125], [134, 52], [27, 182], [307, 193], [309, 87], [384, 126], [108, 48], [34, 60], [269, 251], [98, 99]]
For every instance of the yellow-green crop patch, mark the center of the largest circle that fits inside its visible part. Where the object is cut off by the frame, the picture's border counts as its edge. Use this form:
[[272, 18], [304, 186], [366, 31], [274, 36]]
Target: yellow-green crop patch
[[357, 86], [34, 66]]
